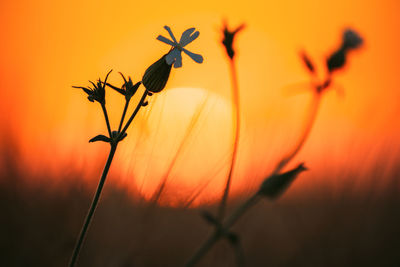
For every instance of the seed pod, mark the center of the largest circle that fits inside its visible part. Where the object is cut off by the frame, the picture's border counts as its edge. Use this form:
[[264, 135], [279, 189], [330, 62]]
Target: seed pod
[[156, 76]]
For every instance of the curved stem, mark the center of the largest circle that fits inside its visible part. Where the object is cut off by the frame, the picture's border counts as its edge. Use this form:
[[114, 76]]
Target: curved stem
[[139, 105], [236, 115], [92, 208], [310, 119], [123, 115], [103, 107], [235, 216]]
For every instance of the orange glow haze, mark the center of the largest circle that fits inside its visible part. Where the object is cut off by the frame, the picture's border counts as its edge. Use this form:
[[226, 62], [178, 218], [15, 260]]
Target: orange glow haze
[[48, 46]]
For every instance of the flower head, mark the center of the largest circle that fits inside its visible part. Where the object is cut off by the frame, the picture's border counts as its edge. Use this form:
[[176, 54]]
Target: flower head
[[350, 40], [98, 92], [174, 56], [228, 38], [128, 89]]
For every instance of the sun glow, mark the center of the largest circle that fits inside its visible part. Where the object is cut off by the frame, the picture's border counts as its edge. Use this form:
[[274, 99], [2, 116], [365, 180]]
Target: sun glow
[[183, 140], [52, 46]]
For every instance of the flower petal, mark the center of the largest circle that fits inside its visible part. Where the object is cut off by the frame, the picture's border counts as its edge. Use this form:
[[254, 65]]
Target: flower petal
[[165, 40], [196, 57], [171, 57], [170, 33], [178, 61], [185, 36], [187, 40]]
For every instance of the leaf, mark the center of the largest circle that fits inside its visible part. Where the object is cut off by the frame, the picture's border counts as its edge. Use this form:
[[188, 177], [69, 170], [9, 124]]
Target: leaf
[[101, 138], [275, 185], [119, 90], [123, 137], [307, 62]]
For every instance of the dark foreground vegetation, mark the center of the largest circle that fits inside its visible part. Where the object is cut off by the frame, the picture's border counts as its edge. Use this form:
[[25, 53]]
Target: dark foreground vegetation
[[321, 226]]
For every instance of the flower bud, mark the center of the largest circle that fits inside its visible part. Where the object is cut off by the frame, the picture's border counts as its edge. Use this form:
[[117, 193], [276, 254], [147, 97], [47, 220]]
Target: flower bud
[[275, 185], [336, 60], [351, 39], [156, 76]]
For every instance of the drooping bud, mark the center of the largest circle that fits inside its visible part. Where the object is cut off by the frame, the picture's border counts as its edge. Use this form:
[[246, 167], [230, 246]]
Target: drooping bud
[[275, 185], [156, 76]]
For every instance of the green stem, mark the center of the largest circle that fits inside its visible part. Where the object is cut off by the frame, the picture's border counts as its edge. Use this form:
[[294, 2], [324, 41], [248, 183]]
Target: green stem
[[123, 115], [93, 206], [235, 98], [103, 107], [141, 101]]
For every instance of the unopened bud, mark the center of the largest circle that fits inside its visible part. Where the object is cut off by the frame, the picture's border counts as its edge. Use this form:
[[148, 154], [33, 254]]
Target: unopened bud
[[156, 76]]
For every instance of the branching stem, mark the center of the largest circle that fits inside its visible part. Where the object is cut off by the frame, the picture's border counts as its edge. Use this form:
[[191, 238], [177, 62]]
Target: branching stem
[[141, 101], [114, 143], [103, 107], [123, 114]]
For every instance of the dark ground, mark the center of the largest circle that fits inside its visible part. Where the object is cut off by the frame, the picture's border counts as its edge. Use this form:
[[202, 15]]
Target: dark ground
[[40, 222]]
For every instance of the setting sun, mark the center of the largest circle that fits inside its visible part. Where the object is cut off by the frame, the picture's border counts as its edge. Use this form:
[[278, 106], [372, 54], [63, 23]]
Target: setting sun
[[180, 127]]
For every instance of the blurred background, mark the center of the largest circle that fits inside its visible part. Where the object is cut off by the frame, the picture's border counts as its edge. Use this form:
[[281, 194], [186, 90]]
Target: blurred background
[[343, 211]]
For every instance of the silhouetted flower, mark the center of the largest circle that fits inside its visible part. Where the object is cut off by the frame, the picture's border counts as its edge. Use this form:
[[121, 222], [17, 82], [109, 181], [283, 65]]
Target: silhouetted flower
[[128, 89], [351, 40], [336, 60], [156, 76], [98, 92], [275, 185], [228, 38], [174, 56]]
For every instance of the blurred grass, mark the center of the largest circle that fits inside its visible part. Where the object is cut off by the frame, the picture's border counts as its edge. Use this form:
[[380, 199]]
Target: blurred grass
[[40, 221]]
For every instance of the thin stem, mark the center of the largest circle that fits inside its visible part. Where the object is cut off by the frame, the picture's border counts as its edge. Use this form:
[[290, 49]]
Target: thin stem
[[123, 114], [236, 119], [203, 249], [93, 206], [241, 210], [139, 105], [217, 235], [189, 130], [103, 107], [310, 119], [235, 216]]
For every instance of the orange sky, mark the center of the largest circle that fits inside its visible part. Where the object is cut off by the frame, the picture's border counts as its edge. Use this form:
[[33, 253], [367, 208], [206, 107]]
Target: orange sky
[[47, 46]]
